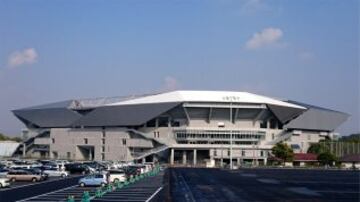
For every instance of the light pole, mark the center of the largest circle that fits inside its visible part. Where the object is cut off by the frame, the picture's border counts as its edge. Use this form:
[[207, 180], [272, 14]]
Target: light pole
[[231, 163]]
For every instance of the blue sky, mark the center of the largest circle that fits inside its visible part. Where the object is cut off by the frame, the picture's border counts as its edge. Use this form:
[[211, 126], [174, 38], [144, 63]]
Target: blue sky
[[301, 50]]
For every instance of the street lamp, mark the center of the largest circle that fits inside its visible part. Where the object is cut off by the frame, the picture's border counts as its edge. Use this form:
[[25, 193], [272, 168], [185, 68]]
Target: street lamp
[[231, 163]]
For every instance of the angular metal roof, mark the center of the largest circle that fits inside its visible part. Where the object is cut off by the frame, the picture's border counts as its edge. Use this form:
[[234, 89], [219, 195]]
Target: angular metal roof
[[317, 118], [285, 114], [48, 118], [124, 115]]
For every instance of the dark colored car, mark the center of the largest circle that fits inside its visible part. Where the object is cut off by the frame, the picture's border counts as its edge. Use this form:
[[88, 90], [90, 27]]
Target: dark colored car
[[77, 168]]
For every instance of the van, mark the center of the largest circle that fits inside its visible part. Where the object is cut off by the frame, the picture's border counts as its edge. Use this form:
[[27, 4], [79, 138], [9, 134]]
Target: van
[[22, 175], [116, 176]]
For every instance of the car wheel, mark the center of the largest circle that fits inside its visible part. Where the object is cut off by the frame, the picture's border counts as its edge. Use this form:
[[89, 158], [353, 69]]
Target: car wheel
[[34, 179], [116, 180], [63, 175], [83, 172], [13, 180], [82, 184], [102, 184]]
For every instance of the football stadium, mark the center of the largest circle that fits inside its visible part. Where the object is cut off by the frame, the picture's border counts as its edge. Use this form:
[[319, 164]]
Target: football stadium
[[202, 128]]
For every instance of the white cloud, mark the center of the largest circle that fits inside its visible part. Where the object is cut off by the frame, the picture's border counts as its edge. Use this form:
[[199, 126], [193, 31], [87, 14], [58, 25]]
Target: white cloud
[[266, 37], [171, 83], [26, 56]]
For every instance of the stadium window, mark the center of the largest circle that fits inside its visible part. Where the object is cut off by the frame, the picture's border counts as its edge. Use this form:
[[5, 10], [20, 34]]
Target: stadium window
[[151, 123], [103, 141], [102, 157], [102, 149], [163, 121], [263, 124], [53, 140], [175, 123], [228, 152], [154, 134], [272, 123], [261, 153], [242, 153], [215, 154], [68, 155], [124, 141], [273, 136], [86, 141]]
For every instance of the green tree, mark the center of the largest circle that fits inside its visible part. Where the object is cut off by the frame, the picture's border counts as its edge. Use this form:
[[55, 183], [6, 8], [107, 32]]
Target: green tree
[[317, 148], [326, 158], [5, 138], [283, 151]]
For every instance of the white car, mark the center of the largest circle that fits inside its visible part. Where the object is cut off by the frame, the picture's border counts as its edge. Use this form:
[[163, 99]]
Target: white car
[[116, 176], [53, 172], [4, 182]]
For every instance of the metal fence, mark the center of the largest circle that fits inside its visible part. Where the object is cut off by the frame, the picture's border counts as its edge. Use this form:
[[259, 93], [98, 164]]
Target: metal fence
[[340, 149]]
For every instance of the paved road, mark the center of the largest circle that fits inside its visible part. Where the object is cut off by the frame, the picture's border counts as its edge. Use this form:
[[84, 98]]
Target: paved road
[[191, 184]]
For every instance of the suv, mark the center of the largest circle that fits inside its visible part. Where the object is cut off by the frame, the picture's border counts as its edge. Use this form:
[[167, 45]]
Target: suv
[[77, 168], [22, 175]]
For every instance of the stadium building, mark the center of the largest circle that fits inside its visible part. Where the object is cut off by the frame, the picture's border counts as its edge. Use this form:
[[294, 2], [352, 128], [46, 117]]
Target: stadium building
[[179, 127]]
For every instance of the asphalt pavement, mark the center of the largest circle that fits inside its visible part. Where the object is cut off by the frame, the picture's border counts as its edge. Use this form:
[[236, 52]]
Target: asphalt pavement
[[197, 184]]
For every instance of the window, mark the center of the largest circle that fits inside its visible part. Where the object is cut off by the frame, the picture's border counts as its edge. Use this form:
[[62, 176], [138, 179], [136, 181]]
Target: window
[[86, 141], [273, 136], [103, 141], [309, 137], [68, 155], [215, 153], [151, 123], [261, 153], [175, 123], [163, 121], [124, 141], [272, 123], [263, 124], [242, 153], [103, 149], [228, 152], [53, 140]]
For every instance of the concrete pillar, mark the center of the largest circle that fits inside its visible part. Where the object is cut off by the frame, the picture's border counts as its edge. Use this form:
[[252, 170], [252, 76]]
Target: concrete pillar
[[24, 150], [90, 154], [265, 161], [238, 161], [221, 162], [171, 156], [195, 158], [184, 157]]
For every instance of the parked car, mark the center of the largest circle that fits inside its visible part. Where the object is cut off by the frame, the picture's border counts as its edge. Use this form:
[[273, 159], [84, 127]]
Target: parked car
[[116, 176], [22, 175], [4, 172], [53, 172], [4, 182], [93, 180], [37, 171], [77, 168]]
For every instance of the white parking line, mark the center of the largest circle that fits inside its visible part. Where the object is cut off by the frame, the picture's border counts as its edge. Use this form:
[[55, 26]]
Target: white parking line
[[33, 197]]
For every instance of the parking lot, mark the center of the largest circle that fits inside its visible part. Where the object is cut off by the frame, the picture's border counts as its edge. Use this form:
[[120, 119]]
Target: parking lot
[[191, 184], [143, 190]]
